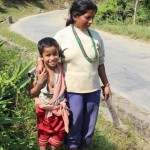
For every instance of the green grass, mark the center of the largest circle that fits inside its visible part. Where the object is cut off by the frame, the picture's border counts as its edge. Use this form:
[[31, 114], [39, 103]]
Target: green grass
[[17, 11], [19, 104], [16, 38], [109, 137], [133, 31], [11, 57]]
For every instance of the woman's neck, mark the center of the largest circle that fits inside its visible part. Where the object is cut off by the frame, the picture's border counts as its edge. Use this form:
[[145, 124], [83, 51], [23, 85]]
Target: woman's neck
[[80, 28]]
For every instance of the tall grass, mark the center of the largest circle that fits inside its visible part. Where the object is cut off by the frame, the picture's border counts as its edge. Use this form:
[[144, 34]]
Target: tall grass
[[133, 31], [109, 137], [16, 107]]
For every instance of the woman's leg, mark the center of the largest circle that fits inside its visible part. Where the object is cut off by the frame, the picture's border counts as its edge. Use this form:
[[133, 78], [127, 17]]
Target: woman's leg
[[75, 103], [91, 107]]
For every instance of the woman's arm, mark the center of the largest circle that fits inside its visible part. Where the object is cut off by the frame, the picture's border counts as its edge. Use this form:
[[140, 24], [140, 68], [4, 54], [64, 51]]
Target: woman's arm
[[39, 66], [103, 77]]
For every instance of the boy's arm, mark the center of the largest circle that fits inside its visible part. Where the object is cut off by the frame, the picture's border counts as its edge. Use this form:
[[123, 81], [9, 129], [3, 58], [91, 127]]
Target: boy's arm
[[36, 86]]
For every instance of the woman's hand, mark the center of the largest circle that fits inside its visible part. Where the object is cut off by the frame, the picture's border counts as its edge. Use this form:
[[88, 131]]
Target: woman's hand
[[39, 67], [107, 93]]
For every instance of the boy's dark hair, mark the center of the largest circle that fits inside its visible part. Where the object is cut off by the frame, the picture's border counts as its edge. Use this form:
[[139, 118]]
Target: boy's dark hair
[[80, 7], [47, 42]]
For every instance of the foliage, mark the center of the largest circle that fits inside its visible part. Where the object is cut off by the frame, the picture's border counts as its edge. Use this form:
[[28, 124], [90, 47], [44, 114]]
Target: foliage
[[134, 31], [114, 11], [12, 76], [16, 3], [14, 116], [143, 12]]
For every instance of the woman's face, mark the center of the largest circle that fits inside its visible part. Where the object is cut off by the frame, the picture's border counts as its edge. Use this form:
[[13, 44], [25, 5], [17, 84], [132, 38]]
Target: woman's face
[[84, 21]]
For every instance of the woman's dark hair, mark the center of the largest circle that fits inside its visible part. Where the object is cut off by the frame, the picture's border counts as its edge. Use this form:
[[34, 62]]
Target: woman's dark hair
[[46, 42], [80, 7]]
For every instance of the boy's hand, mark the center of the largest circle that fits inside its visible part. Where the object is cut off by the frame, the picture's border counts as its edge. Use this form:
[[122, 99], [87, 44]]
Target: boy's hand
[[42, 76]]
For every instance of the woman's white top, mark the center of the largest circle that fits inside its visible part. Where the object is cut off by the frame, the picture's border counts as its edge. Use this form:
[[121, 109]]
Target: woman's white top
[[81, 76]]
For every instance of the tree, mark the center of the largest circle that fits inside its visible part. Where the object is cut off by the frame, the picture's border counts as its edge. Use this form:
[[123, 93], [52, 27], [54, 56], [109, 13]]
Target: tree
[[135, 10]]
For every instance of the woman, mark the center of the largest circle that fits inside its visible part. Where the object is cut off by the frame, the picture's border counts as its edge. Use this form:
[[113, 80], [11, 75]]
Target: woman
[[83, 63]]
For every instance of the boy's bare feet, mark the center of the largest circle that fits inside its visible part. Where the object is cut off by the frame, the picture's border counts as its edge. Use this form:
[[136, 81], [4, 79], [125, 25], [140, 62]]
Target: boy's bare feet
[[55, 148], [43, 148]]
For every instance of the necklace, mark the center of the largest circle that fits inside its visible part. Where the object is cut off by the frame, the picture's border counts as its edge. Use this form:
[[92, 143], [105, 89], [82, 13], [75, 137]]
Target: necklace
[[81, 45]]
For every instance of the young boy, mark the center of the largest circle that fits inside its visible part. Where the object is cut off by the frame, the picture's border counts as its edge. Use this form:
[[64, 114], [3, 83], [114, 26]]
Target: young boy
[[48, 90]]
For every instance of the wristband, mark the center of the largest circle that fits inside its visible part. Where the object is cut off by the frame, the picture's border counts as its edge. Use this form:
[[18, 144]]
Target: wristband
[[107, 84]]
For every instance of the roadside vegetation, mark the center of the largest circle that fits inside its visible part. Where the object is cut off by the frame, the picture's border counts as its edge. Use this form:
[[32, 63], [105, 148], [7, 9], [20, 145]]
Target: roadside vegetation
[[109, 137], [17, 112], [133, 31], [16, 107], [125, 17]]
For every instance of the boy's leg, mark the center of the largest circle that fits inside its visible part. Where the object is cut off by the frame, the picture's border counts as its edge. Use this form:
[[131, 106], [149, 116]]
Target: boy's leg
[[54, 148], [42, 135], [91, 107], [43, 148]]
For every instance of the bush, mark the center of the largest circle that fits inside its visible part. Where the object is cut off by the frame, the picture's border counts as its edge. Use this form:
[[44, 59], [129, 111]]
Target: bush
[[114, 11], [16, 108]]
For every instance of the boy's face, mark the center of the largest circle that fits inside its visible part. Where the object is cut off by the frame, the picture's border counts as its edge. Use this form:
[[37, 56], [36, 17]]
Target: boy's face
[[50, 56]]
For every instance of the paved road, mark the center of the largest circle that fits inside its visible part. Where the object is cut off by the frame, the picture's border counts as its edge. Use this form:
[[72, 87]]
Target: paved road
[[127, 61]]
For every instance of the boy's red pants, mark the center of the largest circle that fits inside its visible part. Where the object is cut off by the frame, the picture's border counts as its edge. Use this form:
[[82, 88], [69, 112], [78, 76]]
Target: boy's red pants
[[50, 130]]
